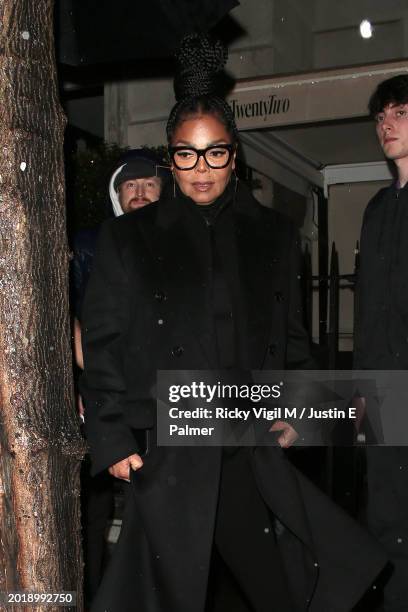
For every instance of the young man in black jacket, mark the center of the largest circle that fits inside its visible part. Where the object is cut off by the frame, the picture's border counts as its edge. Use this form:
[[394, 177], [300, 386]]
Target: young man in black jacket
[[381, 341]]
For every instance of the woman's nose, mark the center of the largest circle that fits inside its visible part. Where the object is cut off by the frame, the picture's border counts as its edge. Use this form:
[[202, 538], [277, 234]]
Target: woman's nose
[[202, 165]]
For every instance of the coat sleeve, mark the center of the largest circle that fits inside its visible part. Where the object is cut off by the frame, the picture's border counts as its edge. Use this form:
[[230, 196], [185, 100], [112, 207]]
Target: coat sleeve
[[359, 295], [105, 320], [358, 348]]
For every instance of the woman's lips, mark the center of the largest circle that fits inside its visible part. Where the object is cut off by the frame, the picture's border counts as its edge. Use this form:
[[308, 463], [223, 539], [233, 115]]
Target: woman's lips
[[202, 186]]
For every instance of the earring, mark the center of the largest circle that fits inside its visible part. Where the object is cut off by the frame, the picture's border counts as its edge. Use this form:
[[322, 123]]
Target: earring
[[236, 183]]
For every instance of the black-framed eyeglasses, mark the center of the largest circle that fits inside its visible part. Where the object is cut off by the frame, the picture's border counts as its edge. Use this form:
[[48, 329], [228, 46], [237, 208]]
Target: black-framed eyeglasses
[[216, 156]]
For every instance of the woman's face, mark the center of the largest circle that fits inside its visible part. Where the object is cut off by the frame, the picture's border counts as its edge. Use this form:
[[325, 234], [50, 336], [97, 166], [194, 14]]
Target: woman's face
[[202, 184]]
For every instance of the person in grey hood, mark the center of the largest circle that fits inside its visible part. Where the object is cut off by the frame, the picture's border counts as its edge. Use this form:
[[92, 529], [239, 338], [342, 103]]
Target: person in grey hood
[[136, 182]]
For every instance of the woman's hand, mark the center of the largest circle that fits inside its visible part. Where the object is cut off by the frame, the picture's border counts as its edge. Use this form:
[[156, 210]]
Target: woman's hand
[[288, 435], [121, 469]]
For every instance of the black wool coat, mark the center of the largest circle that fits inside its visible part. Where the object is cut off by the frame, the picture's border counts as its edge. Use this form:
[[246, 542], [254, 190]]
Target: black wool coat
[[146, 309]]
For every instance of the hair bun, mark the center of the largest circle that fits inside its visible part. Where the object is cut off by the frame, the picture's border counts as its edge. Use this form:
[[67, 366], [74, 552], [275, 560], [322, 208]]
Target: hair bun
[[200, 60]]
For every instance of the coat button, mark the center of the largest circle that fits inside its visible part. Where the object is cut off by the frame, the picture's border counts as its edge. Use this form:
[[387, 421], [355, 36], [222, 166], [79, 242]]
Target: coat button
[[272, 348], [160, 296], [279, 297], [177, 351]]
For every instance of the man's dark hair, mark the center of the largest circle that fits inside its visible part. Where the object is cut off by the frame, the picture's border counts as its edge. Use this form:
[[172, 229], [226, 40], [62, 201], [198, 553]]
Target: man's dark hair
[[391, 91], [198, 81]]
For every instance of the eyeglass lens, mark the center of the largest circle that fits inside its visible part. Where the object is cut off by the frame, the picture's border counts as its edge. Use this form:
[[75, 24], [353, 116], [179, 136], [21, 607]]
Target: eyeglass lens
[[216, 157]]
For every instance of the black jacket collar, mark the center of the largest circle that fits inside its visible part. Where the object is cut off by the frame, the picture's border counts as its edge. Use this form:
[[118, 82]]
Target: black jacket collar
[[171, 207]]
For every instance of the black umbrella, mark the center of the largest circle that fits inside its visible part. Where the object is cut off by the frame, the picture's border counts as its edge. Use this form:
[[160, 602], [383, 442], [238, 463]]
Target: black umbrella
[[92, 32]]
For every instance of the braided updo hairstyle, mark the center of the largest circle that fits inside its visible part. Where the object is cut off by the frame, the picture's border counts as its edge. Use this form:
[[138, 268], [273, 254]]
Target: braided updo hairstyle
[[200, 62]]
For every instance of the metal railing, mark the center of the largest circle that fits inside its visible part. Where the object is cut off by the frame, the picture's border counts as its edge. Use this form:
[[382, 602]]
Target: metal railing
[[328, 289]]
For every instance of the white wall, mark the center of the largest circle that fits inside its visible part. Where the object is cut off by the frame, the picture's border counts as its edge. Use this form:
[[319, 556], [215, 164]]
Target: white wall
[[136, 112], [292, 35], [278, 39], [336, 32]]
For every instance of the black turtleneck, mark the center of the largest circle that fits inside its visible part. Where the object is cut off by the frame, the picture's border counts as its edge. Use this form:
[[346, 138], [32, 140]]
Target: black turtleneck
[[215, 242], [211, 211]]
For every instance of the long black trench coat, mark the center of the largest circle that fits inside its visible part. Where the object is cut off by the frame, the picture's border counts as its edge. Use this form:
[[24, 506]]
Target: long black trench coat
[[145, 310]]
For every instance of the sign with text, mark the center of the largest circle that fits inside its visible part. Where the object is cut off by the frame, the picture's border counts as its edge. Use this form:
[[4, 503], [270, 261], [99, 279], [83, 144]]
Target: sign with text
[[325, 95]]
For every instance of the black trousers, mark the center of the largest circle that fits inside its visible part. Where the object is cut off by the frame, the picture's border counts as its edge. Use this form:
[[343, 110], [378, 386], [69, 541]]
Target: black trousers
[[246, 573], [387, 518]]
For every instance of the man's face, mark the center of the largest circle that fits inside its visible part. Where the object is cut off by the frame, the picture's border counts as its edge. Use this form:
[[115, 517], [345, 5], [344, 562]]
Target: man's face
[[392, 131], [138, 192]]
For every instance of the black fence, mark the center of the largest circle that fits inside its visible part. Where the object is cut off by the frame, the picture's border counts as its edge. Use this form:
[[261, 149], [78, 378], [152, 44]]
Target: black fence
[[326, 289], [340, 471]]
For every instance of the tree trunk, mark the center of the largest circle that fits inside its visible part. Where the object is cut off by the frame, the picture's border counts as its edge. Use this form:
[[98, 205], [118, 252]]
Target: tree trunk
[[40, 442]]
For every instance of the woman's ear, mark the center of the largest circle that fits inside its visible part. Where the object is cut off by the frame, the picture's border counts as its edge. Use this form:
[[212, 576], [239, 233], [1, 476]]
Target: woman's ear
[[233, 159]]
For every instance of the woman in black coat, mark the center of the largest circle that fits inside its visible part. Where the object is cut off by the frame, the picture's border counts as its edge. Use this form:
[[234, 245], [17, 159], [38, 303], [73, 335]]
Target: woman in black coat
[[207, 279]]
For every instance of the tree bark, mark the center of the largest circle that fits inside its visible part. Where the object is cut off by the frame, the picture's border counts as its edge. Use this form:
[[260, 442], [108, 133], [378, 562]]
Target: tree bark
[[40, 443]]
